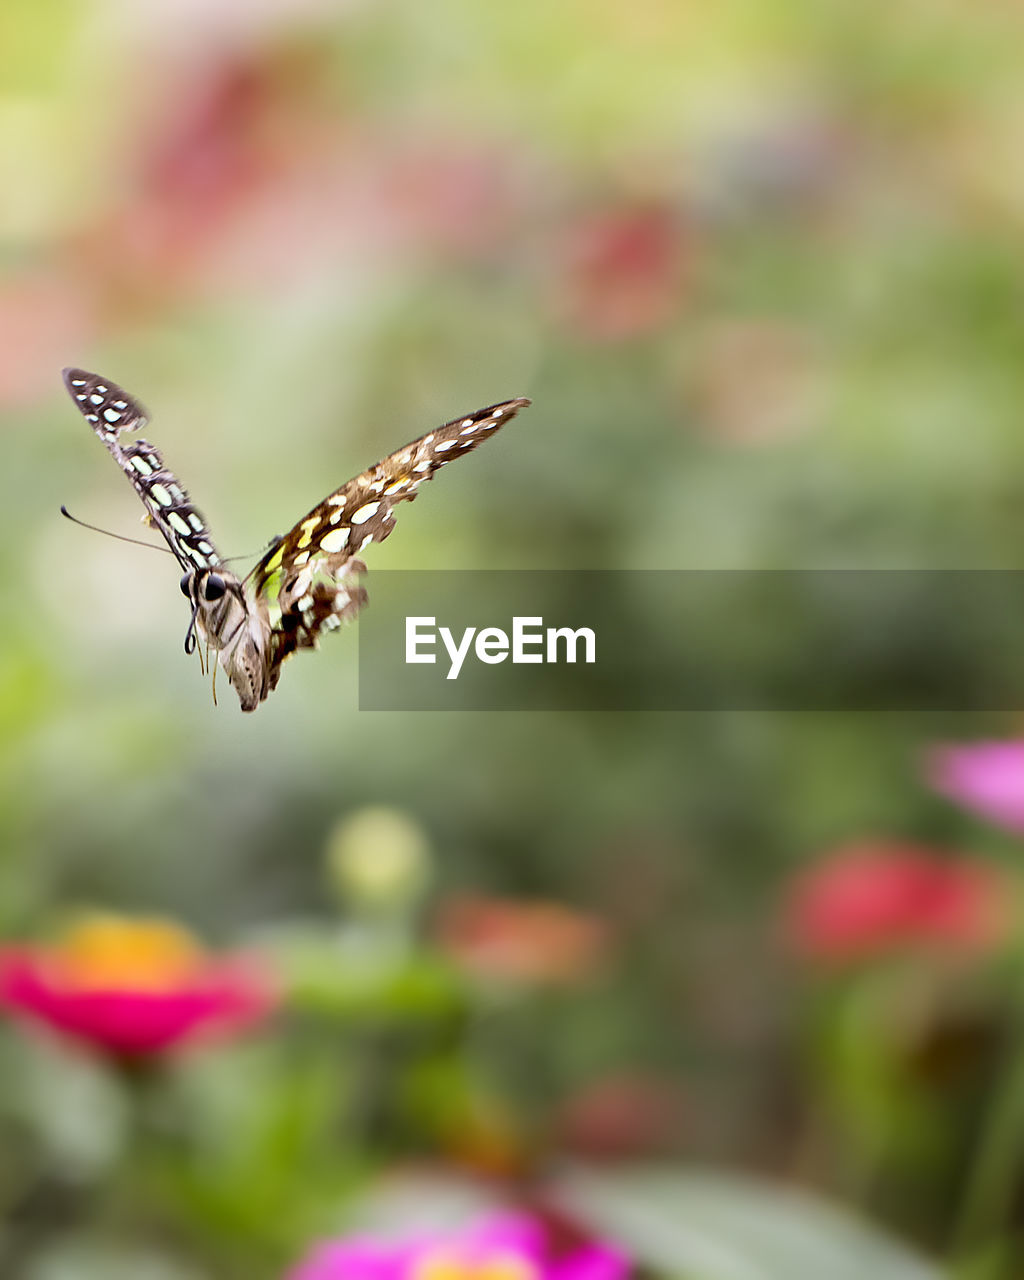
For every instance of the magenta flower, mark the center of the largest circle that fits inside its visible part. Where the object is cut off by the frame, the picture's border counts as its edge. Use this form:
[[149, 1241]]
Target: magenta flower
[[508, 1247], [133, 988], [986, 777]]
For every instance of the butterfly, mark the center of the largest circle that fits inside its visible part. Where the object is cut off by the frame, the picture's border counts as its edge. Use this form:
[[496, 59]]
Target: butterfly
[[308, 581]]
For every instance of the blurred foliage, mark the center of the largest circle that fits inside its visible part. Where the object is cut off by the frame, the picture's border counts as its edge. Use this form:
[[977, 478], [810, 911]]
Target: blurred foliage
[[759, 269]]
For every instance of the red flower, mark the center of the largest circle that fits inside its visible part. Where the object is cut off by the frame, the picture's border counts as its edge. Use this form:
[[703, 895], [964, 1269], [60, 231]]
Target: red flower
[[869, 898], [521, 941], [626, 273], [133, 988], [212, 157]]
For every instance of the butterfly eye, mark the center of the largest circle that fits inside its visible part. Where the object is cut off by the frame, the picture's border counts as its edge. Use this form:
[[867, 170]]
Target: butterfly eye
[[213, 587], [186, 584]]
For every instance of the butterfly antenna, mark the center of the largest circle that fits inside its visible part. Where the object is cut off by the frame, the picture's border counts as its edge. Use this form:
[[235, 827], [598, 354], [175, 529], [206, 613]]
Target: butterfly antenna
[[271, 546], [245, 555], [119, 536]]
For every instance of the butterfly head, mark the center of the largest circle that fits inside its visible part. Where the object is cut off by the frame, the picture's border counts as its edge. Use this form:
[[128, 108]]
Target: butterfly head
[[216, 596]]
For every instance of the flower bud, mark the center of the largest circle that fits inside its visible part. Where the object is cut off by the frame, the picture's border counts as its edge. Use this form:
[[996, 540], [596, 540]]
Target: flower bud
[[378, 859]]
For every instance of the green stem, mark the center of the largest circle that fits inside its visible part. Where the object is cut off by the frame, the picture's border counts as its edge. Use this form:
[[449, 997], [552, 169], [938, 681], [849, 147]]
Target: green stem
[[993, 1174]]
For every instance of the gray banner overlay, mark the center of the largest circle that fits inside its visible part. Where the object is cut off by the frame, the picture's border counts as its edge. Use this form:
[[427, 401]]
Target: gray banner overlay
[[692, 640]]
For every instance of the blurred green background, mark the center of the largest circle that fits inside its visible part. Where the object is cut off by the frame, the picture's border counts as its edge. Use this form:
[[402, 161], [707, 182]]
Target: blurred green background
[[760, 269]]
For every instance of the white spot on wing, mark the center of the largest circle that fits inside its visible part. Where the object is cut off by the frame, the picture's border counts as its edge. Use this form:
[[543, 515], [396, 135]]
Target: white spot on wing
[[334, 541], [445, 445], [365, 512]]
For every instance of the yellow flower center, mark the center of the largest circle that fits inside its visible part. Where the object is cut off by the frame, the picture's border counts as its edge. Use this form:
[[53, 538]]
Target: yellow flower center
[[450, 1264], [108, 953]]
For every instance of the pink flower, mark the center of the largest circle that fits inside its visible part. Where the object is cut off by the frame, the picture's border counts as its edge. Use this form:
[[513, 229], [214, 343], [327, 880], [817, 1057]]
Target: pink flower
[[509, 1247], [870, 898], [987, 777], [133, 988]]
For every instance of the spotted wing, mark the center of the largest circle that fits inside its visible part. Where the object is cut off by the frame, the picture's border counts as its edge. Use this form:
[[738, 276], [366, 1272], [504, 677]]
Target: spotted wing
[[111, 411], [309, 579]]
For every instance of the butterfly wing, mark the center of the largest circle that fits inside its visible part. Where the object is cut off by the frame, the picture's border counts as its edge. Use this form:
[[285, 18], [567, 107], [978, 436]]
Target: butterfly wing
[[111, 411], [309, 579]]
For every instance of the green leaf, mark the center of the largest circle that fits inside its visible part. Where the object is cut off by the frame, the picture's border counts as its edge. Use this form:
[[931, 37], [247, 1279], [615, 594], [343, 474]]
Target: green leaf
[[723, 1227]]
